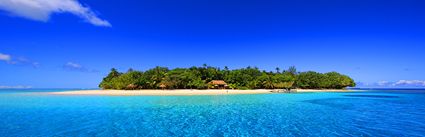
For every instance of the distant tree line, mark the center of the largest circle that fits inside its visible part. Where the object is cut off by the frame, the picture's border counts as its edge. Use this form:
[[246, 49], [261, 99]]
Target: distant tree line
[[244, 78]]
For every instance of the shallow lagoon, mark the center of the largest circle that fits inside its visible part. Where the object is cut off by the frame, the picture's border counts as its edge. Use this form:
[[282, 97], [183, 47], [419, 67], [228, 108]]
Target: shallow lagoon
[[371, 113]]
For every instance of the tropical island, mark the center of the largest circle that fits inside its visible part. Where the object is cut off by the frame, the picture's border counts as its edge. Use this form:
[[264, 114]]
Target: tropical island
[[208, 80], [208, 77]]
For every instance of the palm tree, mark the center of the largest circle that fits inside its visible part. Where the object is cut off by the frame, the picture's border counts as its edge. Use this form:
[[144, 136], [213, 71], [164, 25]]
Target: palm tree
[[130, 70], [226, 68], [268, 82], [292, 70], [277, 70]]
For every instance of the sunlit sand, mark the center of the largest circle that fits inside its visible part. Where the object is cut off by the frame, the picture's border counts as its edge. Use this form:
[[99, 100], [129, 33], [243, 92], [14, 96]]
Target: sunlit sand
[[183, 92]]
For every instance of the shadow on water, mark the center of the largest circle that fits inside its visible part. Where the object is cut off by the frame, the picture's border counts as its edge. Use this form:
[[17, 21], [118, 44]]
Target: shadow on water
[[332, 102], [372, 96], [349, 102]]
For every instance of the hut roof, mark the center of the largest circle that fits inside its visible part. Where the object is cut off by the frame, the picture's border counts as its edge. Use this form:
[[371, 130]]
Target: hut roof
[[162, 86], [218, 82], [131, 86]]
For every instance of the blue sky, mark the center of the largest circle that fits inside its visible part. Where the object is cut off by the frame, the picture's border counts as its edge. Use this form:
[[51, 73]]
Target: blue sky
[[73, 44]]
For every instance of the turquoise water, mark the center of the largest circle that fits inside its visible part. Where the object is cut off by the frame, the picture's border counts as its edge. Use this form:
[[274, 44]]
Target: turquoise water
[[372, 113]]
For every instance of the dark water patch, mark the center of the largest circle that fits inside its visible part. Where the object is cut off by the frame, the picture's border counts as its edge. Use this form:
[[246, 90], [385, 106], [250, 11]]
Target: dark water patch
[[351, 103], [372, 96], [338, 103]]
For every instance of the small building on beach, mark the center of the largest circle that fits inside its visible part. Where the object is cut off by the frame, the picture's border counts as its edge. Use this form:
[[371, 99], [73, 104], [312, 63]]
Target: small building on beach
[[217, 84], [162, 86]]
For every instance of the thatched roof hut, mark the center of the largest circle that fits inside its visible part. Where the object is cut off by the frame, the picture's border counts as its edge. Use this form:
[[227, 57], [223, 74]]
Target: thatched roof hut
[[220, 84], [217, 82], [162, 86], [131, 87]]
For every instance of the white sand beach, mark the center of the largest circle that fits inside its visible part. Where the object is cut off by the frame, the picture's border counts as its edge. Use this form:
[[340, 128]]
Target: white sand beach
[[183, 92]]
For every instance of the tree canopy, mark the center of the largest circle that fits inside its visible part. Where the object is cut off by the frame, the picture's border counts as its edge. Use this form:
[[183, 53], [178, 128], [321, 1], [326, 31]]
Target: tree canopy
[[244, 78]]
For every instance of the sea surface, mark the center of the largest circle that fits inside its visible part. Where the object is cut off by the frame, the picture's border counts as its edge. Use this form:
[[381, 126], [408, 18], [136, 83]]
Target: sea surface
[[368, 113]]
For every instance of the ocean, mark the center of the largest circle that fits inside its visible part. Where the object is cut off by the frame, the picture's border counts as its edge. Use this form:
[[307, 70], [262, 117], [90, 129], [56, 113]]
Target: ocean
[[375, 112]]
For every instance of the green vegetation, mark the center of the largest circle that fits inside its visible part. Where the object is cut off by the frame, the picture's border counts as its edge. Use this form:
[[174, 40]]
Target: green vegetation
[[245, 78]]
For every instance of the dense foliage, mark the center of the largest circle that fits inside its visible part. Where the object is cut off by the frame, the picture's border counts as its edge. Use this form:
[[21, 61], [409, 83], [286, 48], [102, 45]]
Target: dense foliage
[[245, 78]]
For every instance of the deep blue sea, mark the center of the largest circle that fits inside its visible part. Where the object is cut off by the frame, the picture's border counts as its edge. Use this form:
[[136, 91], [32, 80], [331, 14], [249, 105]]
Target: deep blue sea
[[371, 113]]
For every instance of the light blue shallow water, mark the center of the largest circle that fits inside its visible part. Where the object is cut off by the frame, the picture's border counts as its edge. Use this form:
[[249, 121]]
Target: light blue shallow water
[[373, 113]]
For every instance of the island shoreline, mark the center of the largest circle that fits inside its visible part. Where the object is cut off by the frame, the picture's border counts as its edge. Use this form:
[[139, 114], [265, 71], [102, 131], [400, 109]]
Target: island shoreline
[[187, 92]]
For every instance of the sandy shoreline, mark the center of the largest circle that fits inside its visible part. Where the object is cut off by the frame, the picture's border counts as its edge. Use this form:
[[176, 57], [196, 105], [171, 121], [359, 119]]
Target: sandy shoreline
[[184, 92]]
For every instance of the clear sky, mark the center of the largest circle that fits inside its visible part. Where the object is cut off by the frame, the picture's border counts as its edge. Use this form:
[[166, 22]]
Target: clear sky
[[73, 44]]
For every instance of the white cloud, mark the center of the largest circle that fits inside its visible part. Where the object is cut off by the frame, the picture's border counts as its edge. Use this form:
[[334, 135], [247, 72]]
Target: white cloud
[[5, 57], [41, 10], [414, 83], [77, 67], [73, 65], [36, 64], [15, 87], [383, 83], [397, 84], [18, 60]]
